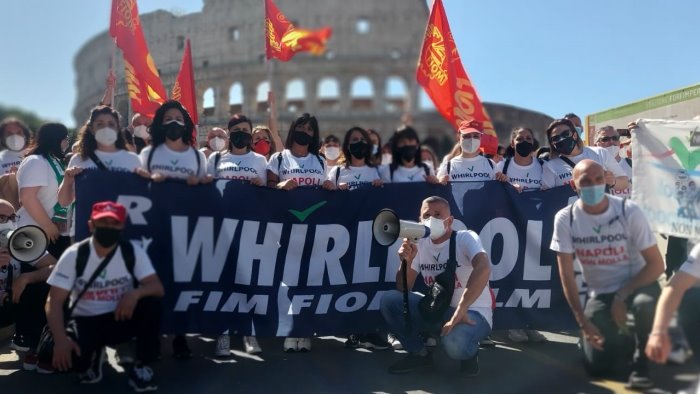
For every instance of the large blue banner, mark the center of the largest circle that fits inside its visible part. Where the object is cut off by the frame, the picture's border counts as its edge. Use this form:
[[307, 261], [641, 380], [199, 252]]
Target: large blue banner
[[277, 263]]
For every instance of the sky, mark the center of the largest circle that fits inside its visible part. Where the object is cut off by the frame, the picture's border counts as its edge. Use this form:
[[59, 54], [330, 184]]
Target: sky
[[551, 56]]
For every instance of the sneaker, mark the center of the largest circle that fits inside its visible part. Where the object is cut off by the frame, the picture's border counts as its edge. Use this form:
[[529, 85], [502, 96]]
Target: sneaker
[[487, 342], [412, 362], [291, 345], [679, 355], [429, 341], [639, 380], [353, 341], [471, 367], [94, 372], [18, 343], [223, 346], [181, 349], [517, 336], [394, 342], [535, 336], [250, 344], [141, 379], [373, 341], [304, 345], [45, 368], [31, 360], [124, 353]]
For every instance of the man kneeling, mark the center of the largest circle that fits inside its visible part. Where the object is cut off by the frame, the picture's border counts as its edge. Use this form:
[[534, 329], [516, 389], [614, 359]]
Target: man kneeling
[[468, 319], [119, 304]]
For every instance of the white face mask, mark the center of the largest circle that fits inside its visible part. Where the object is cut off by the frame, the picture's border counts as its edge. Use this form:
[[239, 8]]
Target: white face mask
[[386, 158], [106, 136], [436, 226], [141, 131], [9, 225], [614, 150], [332, 153], [217, 143], [470, 145], [15, 142]]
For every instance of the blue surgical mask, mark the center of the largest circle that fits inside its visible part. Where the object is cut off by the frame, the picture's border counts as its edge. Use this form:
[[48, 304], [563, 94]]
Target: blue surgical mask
[[579, 130], [592, 195]]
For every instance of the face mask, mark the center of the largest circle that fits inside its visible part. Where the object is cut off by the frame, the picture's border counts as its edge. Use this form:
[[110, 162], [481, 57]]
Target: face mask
[[262, 147], [301, 138], [106, 236], [64, 145], [470, 145], [240, 139], [174, 130], [524, 148], [15, 142], [408, 153], [386, 158], [565, 146], [592, 195], [436, 226], [375, 149], [579, 130], [332, 153], [358, 149], [9, 225], [141, 132], [217, 144], [614, 150], [106, 136]]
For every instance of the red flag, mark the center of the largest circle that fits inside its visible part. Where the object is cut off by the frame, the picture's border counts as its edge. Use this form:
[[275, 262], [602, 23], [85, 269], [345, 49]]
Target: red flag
[[284, 40], [184, 91], [441, 74], [145, 88]]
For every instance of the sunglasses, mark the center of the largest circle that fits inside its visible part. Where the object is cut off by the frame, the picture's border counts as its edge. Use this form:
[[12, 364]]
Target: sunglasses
[[611, 138], [561, 136], [4, 218]]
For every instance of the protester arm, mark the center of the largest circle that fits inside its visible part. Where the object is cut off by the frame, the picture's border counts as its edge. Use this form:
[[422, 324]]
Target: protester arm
[[30, 201], [109, 89], [653, 268], [274, 127], [568, 284], [670, 299]]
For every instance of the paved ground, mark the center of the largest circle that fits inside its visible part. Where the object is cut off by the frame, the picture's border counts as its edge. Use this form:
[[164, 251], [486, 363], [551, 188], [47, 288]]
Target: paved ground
[[552, 367]]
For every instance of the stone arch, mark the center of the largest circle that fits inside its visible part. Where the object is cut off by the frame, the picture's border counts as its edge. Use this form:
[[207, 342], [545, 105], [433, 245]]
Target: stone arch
[[328, 93], [236, 98], [209, 101], [361, 93], [396, 93], [295, 93], [261, 96]]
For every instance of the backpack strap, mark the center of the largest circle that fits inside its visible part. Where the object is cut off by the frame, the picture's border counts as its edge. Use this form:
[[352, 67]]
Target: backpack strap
[[85, 245], [199, 161], [452, 261], [391, 173], [568, 161], [490, 162], [505, 166], [425, 168], [150, 158], [217, 159], [571, 214], [129, 257], [449, 166], [540, 161], [629, 161], [337, 174], [279, 163], [83, 255], [98, 162], [320, 161]]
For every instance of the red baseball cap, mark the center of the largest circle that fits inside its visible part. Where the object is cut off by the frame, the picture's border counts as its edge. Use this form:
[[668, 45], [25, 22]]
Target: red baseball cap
[[471, 126], [108, 209]]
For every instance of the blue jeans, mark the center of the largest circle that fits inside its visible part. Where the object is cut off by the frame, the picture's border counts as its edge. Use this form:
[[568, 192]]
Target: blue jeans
[[461, 343]]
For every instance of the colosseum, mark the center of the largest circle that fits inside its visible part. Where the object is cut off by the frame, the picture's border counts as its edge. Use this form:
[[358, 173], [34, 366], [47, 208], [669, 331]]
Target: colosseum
[[365, 78]]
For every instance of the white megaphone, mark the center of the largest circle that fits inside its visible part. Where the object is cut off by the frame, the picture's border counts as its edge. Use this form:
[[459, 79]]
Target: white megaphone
[[26, 244], [387, 228]]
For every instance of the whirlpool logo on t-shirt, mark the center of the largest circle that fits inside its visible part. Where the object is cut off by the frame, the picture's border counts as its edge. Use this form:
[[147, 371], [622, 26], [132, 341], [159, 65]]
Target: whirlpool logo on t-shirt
[[301, 171], [165, 167], [239, 168]]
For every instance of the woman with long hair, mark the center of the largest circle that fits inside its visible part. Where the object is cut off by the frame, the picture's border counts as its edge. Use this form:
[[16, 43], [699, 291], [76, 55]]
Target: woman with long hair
[[522, 170], [14, 138], [358, 169], [406, 163]]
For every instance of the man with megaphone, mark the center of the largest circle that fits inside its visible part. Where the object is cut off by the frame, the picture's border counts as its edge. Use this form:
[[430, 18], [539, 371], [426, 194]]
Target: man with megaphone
[[458, 263], [24, 267]]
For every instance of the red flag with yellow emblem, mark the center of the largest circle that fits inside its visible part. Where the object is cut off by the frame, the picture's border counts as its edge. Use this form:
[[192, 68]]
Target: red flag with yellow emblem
[[184, 91], [146, 90], [283, 40], [441, 74]]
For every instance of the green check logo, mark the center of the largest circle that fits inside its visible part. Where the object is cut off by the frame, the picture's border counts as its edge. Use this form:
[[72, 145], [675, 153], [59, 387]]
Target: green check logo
[[471, 169], [302, 165], [527, 175], [410, 177], [103, 274], [302, 215], [239, 163], [109, 162], [437, 258], [174, 162], [597, 229], [358, 176]]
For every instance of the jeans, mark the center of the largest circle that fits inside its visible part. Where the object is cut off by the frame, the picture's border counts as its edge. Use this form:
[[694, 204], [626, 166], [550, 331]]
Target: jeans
[[689, 319], [462, 343], [641, 304]]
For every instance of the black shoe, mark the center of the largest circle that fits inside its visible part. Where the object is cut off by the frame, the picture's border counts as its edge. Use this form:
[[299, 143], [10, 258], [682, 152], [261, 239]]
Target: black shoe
[[412, 362], [639, 379], [353, 341], [141, 379], [374, 341], [19, 343], [471, 367], [487, 342], [94, 373], [181, 350]]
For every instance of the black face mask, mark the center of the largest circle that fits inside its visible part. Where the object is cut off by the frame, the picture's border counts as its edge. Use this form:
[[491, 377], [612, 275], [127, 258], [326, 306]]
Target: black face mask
[[174, 131], [408, 153], [524, 148], [565, 146], [359, 149], [240, 139], [301, 138], [106, 236]]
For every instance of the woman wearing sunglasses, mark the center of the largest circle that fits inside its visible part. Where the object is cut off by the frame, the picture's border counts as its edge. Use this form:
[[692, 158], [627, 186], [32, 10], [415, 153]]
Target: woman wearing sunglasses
[[609, 139], [566, 149]]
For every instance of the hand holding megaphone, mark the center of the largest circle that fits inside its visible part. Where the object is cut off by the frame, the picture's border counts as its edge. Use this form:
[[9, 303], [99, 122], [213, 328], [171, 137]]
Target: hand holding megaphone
[[408, 250]]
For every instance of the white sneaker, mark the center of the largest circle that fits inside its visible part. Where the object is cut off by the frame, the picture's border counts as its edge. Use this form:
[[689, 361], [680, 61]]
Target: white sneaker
[[304, 344], [394, 342], [517, 336], [250, 344], [535, 336], [291, 345], [223, 346], [679, 355]]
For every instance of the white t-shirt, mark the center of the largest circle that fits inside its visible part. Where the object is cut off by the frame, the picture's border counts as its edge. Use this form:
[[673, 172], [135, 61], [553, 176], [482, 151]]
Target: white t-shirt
[[34, 171], [9, 159], [432, 258], [529, 177], [403, 174], [471, 169], [108, 288], [353, 176], [626, 192], [121, 160], [245, 167], [173, 164], [557, 173], [691, 265], [306, 171], [606, 245]]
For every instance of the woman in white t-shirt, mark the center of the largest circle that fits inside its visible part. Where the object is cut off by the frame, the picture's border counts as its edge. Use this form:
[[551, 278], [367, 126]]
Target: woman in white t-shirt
[[14, 137], [609, 139], [38, 178], [299, 164], [566, 150], [470, 166], [357, 169], [406, 163], [239, 161], [521, 170], [171, 154]]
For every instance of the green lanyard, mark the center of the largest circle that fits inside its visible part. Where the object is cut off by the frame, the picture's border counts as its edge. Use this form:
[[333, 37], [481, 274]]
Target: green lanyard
[[60, 213]]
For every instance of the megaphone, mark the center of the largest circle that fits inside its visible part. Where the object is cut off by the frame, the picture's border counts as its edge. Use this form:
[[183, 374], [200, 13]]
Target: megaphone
[[26, 244], [387, 228]]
